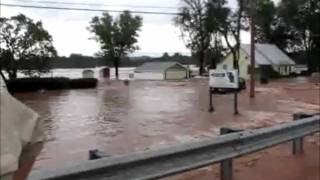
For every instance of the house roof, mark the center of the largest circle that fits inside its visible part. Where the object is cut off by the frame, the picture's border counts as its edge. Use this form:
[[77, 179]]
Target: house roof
[[268, 54], [156, 66], [259, 58]]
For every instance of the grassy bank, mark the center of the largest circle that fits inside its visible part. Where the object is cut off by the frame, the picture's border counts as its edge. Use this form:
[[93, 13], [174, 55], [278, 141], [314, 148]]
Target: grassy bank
[[35, 84]]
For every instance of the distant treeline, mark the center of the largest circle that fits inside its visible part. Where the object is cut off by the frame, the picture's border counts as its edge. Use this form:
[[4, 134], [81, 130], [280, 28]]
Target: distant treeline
[[80, 61]]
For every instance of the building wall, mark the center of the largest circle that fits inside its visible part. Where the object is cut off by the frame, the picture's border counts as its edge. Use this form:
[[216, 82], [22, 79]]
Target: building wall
[[88, 74], [284, 70], [176, 72], [172, 74], [149, 76], [244, 62]]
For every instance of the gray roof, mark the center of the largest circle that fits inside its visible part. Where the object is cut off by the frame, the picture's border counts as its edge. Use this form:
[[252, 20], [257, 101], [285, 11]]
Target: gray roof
[[259, 58], [156, 66], [269, 54]]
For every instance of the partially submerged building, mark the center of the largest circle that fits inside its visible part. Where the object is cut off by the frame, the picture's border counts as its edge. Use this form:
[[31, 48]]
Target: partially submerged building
[[269, 60], [161, 71], [88, 73], [105, 72]]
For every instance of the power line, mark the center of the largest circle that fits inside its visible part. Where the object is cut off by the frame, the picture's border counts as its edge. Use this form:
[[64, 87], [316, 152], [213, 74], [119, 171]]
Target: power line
[[98, 4], [87, 9]]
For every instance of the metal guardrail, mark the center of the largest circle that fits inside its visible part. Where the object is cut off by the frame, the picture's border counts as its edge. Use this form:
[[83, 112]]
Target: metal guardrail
[[181, 158]]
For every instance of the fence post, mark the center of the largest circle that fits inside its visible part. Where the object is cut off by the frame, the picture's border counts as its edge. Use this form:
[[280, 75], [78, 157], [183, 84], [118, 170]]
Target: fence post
[[297, 144], [211, 108]]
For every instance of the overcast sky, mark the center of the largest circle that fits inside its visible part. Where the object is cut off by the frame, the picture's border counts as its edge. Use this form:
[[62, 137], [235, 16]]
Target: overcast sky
[[68, 28]]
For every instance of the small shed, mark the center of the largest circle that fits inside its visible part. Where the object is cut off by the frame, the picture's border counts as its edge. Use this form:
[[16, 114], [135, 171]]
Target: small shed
[[88, 73], [105, 72], [161, 71]]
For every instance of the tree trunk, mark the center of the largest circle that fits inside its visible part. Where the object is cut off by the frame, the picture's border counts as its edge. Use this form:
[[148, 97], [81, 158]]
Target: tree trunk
[[12, 69], [116, 66], [309, 62], [2, 75], [201, 61], [235, 59], [12, 74], [214, 60]]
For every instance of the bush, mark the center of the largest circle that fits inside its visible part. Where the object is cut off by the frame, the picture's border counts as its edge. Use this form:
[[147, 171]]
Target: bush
[[83, 83], [35, 84], [54, 83]]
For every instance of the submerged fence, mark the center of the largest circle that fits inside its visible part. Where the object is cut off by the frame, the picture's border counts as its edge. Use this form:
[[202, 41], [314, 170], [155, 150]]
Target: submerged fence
[[181, 158]]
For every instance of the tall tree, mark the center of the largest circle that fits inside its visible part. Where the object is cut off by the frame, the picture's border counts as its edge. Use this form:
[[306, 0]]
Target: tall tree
[[192, 22], [301, 17], [265, 19], [228, 24], [217, 25], [165, 56], [23, 39], [216, 52], [117, 37]]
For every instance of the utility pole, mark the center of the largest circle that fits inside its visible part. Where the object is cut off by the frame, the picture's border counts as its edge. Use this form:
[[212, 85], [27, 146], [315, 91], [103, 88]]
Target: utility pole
[[252, 49], [236, 61]]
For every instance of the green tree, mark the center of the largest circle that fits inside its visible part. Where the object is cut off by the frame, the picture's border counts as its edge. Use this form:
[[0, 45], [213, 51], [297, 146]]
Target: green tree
[[265, 19], [177, 54], [35, 66], [222, 21], [300, 19], [291, 26], [22, 39], [117, 37], [165, 56], [218, 25], [216, 52], [192, 22]]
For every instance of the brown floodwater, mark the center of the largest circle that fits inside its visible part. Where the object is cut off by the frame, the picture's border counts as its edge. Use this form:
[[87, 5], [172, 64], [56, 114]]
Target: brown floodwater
[[114, 118], [119, 119]]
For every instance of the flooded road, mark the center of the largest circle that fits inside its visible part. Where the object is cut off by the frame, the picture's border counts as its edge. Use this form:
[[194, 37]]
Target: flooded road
[[119, 119]]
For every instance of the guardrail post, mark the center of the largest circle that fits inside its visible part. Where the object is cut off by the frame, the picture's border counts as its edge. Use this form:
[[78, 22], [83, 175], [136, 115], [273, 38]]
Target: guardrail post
[[226, 172], [297, 144], [226, 166]]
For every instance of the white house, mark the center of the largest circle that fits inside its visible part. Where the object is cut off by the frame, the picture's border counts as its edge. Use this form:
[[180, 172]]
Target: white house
[[268, 59], [161, 71]]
